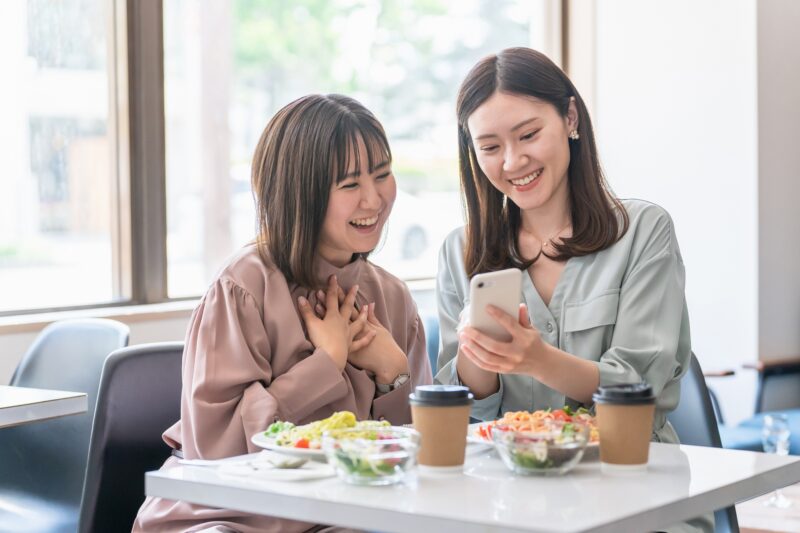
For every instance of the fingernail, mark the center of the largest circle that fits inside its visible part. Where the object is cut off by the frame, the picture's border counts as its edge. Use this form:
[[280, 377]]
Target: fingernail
[[302, 301]]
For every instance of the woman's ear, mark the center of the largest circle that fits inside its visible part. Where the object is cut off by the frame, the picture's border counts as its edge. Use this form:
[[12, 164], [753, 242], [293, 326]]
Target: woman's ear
[[572, 115]]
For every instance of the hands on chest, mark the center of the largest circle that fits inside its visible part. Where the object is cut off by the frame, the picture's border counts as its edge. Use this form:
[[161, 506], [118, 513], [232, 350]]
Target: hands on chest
[[349, 334]]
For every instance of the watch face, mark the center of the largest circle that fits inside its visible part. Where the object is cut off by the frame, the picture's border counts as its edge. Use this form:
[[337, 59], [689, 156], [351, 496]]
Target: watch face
[[399, 380]]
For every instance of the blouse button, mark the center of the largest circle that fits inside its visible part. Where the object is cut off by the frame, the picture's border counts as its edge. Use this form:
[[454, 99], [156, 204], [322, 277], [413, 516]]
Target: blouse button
[[549, 327]]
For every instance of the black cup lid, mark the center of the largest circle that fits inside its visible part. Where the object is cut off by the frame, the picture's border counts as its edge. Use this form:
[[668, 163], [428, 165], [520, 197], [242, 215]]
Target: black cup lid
[[628, 393], [441, 395]]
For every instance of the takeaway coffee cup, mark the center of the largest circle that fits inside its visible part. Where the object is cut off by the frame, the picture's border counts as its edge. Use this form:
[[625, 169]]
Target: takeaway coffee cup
[[441, 416], [625, 420]]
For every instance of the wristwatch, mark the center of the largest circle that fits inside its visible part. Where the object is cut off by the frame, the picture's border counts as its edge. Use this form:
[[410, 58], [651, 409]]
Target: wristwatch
[[399, 380]]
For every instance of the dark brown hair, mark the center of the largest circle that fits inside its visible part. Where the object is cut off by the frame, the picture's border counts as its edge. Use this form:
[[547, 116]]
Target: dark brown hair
[[598, 218], [304, 150]]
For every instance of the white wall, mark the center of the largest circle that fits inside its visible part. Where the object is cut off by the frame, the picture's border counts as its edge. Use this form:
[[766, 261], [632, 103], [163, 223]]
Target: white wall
[[676, 118], [696, 109], [779, 172]]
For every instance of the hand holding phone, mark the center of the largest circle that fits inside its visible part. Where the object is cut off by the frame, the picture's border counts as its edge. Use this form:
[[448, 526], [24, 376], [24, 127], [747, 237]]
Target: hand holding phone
[[502, 289]]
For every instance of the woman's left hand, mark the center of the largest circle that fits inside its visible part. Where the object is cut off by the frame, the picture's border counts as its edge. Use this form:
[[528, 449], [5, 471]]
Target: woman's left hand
[[381, 356], [520, 355]]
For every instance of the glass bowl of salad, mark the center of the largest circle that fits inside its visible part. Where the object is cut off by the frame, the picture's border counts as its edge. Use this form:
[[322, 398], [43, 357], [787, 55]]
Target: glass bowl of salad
[[372, 456], [551, 448]]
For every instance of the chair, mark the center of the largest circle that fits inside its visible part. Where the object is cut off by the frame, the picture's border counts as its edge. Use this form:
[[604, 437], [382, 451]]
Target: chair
[[139, 398], [431, 323], [42, 465], [695, 424], [737, 437], [778, 393]]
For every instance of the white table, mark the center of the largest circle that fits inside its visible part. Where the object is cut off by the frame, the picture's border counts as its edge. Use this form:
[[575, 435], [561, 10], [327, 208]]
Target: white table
[[681, 482], [22, 405]]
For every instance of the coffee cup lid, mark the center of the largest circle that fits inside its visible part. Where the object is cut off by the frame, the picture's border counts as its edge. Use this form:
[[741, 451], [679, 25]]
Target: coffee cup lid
[[440, 395], [625, 394]]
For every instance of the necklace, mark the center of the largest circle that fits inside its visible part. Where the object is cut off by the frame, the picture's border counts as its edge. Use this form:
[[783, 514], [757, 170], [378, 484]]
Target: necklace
[[548, 241]]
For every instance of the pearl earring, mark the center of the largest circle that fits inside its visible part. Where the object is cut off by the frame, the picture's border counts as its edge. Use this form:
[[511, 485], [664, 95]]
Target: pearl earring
[[574, 135]]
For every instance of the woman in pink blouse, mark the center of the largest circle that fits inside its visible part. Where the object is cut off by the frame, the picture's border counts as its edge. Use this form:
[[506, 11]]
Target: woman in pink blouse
[[256, 350]]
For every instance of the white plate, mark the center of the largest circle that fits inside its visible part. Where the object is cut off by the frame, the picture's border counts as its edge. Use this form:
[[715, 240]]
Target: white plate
[[472, 434], [262, 441], [591, 453]]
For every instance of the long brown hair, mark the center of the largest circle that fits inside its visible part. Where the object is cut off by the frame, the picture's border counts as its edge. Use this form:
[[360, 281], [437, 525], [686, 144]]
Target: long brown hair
[[493, 221], [304, 150]]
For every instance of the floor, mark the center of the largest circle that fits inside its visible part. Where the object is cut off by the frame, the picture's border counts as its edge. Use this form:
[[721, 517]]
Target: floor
[[755, 517]]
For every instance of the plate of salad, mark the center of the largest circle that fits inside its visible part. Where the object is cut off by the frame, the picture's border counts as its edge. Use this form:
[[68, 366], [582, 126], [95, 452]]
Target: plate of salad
[[306, 440], [534, 420]]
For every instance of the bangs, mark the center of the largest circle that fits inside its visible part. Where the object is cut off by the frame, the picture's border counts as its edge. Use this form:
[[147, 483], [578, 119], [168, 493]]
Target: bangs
[[347, 161]]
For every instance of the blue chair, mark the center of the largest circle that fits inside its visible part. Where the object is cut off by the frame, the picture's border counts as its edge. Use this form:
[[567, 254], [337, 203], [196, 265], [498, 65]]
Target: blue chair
[[754, 424], [778, 393], [741, 437], [431, 324], [733, 437], [696, 425], [42, 465]]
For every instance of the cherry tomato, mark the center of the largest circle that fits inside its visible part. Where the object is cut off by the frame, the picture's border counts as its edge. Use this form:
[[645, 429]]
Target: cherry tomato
[[302, 443], [561, 415]]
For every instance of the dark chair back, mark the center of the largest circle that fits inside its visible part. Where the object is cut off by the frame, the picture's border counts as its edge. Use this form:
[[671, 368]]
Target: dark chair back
[[43, 464], [139, 398], [696, 425]]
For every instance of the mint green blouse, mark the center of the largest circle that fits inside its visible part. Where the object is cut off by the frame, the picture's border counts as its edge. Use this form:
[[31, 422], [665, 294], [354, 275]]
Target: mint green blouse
[[623, 308]]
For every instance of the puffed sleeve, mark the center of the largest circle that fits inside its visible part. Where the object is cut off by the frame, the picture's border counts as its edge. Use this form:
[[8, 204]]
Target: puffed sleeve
[[393, 406], [229, 394], [651, 334]]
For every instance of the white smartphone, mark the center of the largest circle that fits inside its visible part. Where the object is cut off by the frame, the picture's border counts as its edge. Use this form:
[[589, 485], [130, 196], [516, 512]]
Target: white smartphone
[[502, 289]]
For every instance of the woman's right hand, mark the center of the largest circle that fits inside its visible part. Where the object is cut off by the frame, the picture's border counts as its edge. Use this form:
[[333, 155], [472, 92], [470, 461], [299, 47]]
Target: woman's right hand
[[359, 319], [334, 332], [482, 381]]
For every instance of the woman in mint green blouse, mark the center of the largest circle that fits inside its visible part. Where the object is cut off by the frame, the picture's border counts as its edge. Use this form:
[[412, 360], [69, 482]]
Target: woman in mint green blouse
[[603, 301]]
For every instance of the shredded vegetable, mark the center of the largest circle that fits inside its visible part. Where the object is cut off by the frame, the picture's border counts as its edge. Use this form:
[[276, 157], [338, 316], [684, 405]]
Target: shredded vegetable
[[309, 435], [536, 421]]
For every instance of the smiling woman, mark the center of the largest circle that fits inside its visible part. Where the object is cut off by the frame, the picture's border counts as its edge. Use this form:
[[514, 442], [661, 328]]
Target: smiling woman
[[603, 295], [359, 204], [600, 271], [505, 148], [264, 344]]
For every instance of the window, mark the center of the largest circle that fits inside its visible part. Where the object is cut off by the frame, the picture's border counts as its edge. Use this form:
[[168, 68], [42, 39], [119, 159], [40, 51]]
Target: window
[[229, 66], [57, 188], [82, 200]]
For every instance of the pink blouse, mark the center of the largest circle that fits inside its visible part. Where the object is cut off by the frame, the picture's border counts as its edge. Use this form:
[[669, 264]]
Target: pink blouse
[[248, 362]]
